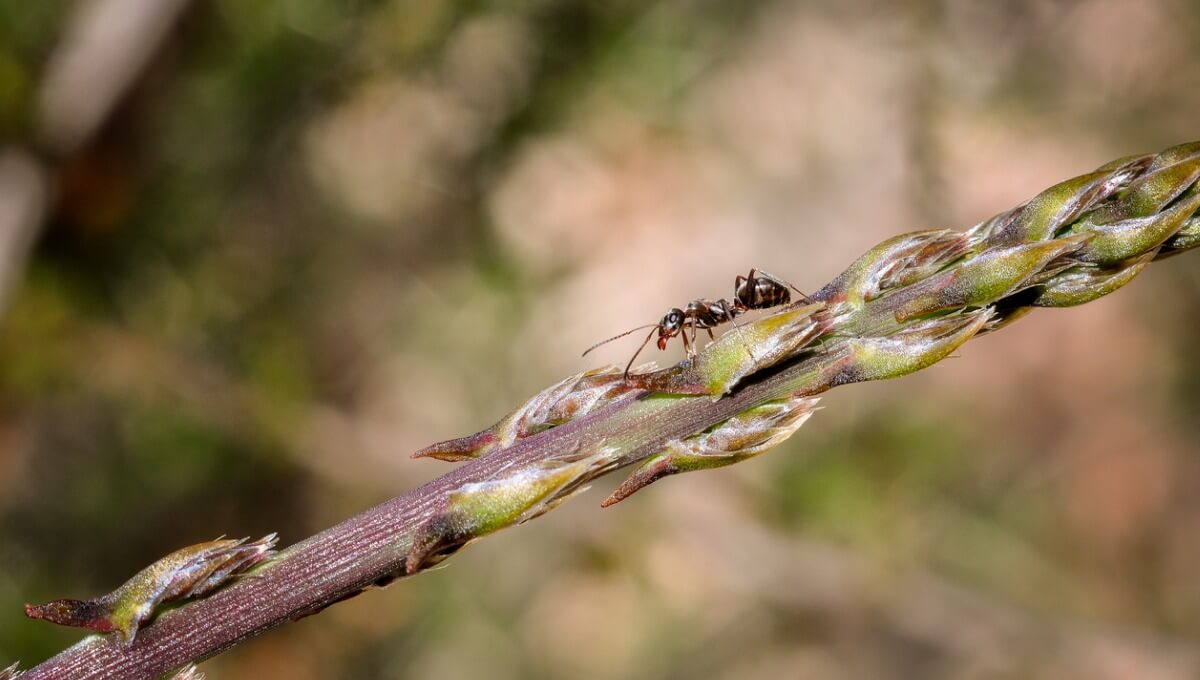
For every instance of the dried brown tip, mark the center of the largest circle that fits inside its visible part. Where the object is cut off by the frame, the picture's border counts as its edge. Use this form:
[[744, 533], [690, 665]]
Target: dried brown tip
[[460, 449], [90, 614], [642, 477]]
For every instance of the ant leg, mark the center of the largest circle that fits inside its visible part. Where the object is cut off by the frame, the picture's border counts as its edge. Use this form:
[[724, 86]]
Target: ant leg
[[691, 351], [712, 337]]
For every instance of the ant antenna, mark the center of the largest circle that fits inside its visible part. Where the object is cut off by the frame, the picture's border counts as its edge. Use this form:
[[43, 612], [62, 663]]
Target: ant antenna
[[639, 351], [619, 336]]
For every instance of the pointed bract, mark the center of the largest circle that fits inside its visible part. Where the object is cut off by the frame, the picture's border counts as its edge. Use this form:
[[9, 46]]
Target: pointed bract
[[1185, 239], [1145, 196], [1175, 154], [189, 572], [894, 263], [1087, 282], [479, 508], [919, 345], [556, 405], [1043, 216], [743, 436], [1117, 241], [980, 280]]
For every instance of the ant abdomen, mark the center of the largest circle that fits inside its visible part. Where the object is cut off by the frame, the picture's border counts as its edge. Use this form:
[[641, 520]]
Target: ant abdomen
[[761, 291]]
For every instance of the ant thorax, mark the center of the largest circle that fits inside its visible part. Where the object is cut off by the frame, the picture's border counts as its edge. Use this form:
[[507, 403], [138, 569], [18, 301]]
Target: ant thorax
[[711, 313]]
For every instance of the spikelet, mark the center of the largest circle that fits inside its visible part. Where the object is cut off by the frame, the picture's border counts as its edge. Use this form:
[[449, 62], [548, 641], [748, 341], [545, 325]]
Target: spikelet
[[193, 571]]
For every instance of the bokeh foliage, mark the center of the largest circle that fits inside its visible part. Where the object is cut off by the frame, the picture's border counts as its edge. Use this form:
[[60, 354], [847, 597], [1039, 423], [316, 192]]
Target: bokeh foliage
[[318, 235]]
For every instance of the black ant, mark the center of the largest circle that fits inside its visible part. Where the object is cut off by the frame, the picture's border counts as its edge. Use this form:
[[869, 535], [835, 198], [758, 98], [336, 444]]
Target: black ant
[[758, 290]]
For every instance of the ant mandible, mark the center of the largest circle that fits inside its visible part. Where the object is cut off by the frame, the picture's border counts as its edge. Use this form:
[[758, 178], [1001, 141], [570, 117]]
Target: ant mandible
[[757, 290]]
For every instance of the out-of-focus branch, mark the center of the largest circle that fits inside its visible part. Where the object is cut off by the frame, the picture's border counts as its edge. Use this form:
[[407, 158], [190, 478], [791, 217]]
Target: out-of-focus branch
[[24, 191], [903, 306], [105, 47], [107, 44]]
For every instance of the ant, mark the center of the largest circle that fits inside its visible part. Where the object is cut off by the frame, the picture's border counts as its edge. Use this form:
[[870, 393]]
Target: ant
[[757, 290]]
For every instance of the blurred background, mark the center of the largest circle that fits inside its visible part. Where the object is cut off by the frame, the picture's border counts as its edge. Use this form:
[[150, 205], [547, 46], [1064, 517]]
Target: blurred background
[[253, 254]]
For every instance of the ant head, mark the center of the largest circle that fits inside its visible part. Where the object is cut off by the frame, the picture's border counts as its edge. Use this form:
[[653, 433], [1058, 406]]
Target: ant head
[[669, 326]]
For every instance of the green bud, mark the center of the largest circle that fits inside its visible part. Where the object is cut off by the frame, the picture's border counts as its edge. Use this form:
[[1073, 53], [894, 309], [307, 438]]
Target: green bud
[[918, 345], [1186, 238], [980, 280], [193, 571], [1145, 197], [560, 403], [1111, 243], [1132, 164], [1056, 207], [1087, 282], [896, 262], [743, 436], [480, 508], [1176, 154]]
